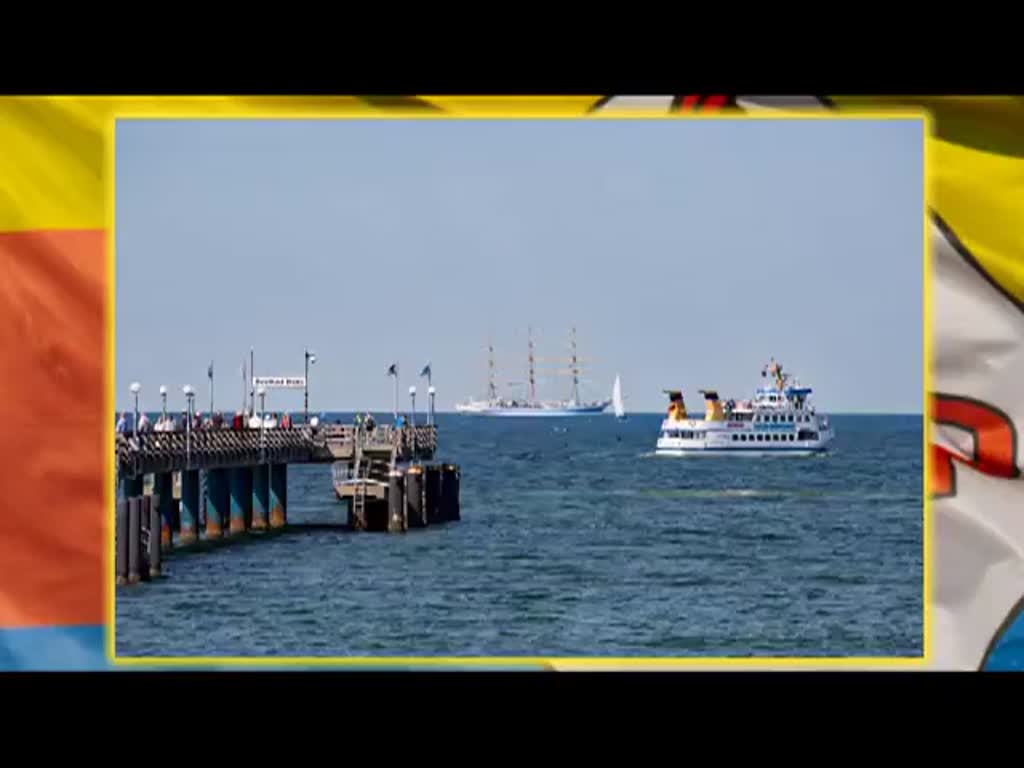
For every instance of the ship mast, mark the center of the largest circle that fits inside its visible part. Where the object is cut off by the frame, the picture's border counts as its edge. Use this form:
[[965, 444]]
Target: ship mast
[[532, 392], [575, 370], [491, 389]]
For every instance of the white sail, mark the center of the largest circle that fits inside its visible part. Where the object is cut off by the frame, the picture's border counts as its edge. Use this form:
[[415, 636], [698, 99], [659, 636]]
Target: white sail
[[620, 410]]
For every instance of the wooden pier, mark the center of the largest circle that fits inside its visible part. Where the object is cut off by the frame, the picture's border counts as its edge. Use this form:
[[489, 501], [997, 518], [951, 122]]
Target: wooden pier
[[241, 479]]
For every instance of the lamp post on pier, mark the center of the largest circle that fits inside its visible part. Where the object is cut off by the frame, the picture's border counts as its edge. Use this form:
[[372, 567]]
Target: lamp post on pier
[[135, 388], [310, 360], [163, 404], [262, 392], [412, 396], [189, 409]]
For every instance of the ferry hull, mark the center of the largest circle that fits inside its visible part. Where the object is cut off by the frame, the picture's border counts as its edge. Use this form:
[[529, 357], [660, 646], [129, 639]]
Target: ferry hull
[[752, 452]]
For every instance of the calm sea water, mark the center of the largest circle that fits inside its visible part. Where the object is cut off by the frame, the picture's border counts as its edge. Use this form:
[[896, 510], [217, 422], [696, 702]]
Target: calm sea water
[[576, 540]]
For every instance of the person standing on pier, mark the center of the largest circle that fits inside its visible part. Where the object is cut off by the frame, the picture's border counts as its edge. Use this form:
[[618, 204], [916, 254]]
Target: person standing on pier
[[122, 424]]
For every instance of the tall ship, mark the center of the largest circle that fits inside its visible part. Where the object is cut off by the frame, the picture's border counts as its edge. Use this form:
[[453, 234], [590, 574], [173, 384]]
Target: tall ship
[[531, 406], [779, 420]]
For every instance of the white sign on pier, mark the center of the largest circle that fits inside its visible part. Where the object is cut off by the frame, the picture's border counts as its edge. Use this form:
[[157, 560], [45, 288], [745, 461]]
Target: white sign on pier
[[279, 382]]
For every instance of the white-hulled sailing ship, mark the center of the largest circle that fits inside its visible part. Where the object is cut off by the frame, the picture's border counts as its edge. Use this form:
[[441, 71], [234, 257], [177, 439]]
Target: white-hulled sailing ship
[[780, 420], [531, 406]]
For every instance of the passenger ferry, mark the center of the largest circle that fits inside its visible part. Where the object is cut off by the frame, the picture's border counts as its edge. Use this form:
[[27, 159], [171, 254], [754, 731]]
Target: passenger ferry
[[780, 420]]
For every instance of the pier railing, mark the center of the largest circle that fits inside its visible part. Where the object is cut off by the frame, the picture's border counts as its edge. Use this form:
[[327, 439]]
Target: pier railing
[[152, 452]]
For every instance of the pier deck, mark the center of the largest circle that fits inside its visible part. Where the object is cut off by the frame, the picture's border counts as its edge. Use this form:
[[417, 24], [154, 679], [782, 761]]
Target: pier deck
[[155, 452]]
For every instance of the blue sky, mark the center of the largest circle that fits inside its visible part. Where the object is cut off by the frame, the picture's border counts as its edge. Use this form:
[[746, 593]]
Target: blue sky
[[686, 253]]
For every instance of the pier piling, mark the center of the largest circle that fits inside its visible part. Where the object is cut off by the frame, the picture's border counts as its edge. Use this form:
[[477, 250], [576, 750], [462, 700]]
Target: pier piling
[[241, 499], [432, 494], [396, 502], [121, 558], [153, 523], [134, 538], [260, 496], [217, 494], [189, 506], [278, 495], [449, 493], [163, 491], [416, 512]]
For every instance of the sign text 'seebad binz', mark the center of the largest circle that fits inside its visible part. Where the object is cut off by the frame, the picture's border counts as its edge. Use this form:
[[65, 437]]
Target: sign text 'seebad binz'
[[279, 382]]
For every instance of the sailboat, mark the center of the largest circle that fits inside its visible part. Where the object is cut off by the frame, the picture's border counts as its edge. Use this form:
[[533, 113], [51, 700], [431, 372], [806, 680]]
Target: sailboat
[[531, 406], [620, 409]]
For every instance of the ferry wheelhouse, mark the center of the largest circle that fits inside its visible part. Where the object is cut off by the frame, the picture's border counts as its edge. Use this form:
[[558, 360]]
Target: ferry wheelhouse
[[780, 420]]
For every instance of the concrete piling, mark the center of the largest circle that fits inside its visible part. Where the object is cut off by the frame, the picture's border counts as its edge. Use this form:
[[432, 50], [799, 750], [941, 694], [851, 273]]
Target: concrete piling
[[134, 538], [432, 494], [450, 492], [260, 496], [155, 533], [164, 494], [396, 502], [241, 499], [278, 495], [189, 506], [121, 558], [216, 503], [416, 511]]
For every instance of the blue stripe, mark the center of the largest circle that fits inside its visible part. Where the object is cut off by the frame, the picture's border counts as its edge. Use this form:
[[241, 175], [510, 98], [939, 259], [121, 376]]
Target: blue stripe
[[77, 648]]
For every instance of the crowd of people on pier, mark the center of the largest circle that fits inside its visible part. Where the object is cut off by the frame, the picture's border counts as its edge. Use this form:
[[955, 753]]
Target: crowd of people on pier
[[240, 421]]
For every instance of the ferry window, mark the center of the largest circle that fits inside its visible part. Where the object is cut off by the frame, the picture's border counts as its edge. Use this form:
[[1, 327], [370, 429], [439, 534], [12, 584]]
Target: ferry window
[[735, 437]]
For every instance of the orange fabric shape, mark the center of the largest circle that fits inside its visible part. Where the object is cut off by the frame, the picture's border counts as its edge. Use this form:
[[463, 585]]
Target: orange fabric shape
[[52, 410]]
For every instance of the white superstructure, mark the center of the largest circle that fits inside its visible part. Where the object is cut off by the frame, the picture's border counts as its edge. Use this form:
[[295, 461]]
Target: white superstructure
[[780, 420]]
